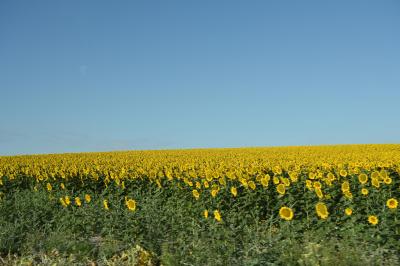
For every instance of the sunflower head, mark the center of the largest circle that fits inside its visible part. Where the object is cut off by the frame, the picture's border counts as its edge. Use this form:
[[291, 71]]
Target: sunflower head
[[131, 204], [375, 175], [348, 211], [372, 219], [286, 213], [196, 194], [319, 193], [234, 191], [345, 186], [392, 203], [322, 210], [317, 185], [364, 191], [105, 204], [343, 173], [252, 185], [281, 189], [217, 216], [387, 180], [67, 200], [375, 182], [63, 202], [78, 201], [363, 178], [88, 198]]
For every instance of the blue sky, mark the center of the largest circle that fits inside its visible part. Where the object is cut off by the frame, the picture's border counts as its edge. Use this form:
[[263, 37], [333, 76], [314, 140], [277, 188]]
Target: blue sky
[[117, 75]]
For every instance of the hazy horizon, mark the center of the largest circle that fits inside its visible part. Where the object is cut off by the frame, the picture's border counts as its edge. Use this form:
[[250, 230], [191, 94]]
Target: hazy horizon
[[202, 148]]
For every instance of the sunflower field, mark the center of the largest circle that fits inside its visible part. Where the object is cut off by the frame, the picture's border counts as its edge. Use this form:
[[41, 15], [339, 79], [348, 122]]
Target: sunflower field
[[309, 205]]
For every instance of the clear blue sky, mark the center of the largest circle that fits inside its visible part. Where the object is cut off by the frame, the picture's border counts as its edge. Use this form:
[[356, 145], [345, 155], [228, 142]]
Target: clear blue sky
[[117, 75]]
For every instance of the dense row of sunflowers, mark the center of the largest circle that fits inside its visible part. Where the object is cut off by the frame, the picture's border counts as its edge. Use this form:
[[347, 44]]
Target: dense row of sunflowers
[[334, 180]]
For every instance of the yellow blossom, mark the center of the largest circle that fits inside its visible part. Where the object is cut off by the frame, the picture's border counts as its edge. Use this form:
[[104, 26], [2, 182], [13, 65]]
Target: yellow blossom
[[105, 204], [363, 178], [63, 202], [364, 191], [348, 211], [217, 216], [67, 200], [322, 210], [78, 201], [196, 194], [88, 198], [372, 219], [234, 191], [392, 203], [252, 185], [130, 204], [286, 213], [281, 189]]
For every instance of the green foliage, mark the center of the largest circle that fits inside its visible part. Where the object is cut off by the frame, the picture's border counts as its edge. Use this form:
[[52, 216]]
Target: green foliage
[[168, 228]]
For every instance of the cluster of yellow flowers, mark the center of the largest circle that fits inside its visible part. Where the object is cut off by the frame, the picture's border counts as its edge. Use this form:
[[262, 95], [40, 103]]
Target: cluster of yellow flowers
[[66, 201], [321, 209], [318, 173]]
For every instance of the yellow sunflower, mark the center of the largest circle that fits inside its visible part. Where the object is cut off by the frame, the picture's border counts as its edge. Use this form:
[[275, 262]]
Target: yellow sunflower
[[130, 204], [88, 198], [322, 210], [372, 219], [286, 213], [343, 173], [234, 191], [363, 178], [309, 184], [78, 201], [196, 194], [375, 175], [387, 180], [63, 202], [392, 203], [317, 185], [252, 185], [105, 204], [281, 189], [375, 182], [217, 216], [345, 186], [198, 185], [264, 182], [67, 200], [319, 193]]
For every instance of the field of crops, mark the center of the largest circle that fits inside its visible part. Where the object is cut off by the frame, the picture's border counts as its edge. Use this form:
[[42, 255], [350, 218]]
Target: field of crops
[[318, 205]]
